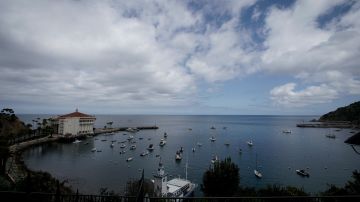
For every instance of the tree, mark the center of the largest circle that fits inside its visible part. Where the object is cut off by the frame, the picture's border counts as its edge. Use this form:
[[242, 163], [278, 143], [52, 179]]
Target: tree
[[352, 187], [222, 179]]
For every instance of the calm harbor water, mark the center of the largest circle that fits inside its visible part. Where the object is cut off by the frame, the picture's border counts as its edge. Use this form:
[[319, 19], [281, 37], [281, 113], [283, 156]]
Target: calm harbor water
[[329, 161]]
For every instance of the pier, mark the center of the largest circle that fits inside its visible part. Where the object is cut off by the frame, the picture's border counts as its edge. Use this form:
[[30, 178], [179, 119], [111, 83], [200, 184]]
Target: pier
[[98, 131], [335, 124]]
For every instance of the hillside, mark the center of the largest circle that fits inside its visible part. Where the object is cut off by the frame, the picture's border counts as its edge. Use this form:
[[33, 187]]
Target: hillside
[[10, 125], [349, 113]]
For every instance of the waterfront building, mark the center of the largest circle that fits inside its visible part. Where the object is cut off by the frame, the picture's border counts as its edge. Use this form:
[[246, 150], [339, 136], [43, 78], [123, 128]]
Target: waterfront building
[[76, 123]]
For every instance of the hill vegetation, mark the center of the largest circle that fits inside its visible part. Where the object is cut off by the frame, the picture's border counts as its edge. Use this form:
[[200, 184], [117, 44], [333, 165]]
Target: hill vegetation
[[349, 113]]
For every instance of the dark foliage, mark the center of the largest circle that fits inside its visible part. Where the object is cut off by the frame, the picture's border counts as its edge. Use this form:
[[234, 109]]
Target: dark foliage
[[352, 187], [132, 187], [222, 179]]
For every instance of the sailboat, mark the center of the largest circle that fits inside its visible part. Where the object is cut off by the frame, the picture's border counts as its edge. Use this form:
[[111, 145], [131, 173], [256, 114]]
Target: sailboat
[[256, 171]]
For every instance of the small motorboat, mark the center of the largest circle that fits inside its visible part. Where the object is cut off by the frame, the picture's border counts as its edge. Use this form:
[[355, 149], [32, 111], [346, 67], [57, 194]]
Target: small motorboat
[[162, 142], [199, 144], [302, 173], [150, 147], [257, 174], [250, 143], [129, 159], [178, 156], [144, 153], [214, 159], [93, 149], [112, 145], [212, 139], [193, 149], [76, 141], [123, 146], [165, 135], [332, 136], [122, 152], [132, 147], [287, 131], [130, 137]]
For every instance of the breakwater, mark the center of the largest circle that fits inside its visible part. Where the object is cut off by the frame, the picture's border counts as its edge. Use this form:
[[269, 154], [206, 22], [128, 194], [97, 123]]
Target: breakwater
[[98, 131], [338, 124]]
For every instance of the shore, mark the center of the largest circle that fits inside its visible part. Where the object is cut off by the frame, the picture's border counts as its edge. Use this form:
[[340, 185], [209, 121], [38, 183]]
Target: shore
[[337, 124]]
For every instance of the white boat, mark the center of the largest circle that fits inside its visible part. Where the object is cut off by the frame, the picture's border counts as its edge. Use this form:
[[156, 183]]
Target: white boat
[[132, 130], [76, 141], [193, 149], [214, 159], [257, 174], [212, 139], [112, 145], [129, 159], [130, 137], [162, 142], [122, 146], [303, 173], [199, 144], [93, 149], [132, 147], [286, 131], [256, 171], [122, 152], [178, 156], [144, 153], [176, 187], [150, 147], [250, 143]]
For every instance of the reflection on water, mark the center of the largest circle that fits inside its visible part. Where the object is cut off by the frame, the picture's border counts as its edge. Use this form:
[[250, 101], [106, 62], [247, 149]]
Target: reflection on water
[[329, 161]]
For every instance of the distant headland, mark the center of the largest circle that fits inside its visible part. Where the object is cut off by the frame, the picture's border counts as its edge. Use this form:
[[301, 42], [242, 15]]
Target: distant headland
[[343, 117]]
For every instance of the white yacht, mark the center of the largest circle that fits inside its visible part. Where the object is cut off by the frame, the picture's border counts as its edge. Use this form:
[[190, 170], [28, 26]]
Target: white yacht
[[176, 187], [250, 143], [162, 142], [256, 171]]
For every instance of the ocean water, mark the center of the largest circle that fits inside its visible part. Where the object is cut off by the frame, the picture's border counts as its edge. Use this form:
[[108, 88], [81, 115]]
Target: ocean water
[[329, 161]]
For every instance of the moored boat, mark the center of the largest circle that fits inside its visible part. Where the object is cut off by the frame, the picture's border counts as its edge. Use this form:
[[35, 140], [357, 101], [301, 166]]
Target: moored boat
[[212, 139], [162, 142], [150, 147], [303, 173], [129, 159], [250, 143]]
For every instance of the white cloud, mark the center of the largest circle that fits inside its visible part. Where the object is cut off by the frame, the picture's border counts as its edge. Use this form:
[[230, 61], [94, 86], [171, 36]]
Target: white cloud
[[287, 96], [325, 59]]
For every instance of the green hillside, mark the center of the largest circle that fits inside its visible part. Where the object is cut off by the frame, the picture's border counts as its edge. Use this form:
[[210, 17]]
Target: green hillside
[[349, 113]]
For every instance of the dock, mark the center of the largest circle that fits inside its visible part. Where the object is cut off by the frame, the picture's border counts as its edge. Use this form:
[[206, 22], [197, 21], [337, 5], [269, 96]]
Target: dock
[[335, 124], [98, 131]]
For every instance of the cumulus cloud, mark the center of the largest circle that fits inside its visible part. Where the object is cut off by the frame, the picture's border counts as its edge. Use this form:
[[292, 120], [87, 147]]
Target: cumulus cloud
[[287, 96], [155, 53], [325, 59]]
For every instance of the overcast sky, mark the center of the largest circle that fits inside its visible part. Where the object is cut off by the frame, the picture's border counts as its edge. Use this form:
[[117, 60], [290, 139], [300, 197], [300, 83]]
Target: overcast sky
[[179, 57]]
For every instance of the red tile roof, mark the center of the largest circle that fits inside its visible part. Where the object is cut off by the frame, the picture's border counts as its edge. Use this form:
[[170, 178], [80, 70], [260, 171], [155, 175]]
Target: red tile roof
[[76, 114]]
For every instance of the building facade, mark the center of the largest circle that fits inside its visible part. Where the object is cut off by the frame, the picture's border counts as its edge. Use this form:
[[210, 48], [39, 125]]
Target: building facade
[[76, 123]]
